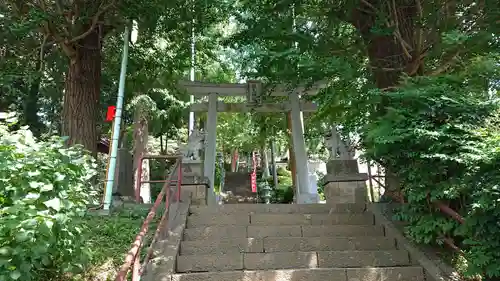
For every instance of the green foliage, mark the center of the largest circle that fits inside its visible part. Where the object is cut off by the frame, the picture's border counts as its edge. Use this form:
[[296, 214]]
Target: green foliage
[[45, 188], [432, 131], [109, 237], [433, 136], [282, 172], [284, 192], [218, 176], [284, 177]]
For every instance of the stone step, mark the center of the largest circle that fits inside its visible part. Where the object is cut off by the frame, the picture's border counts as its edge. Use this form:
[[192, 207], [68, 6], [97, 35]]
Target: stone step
[[285, 244], [229, 198], [256, 231], [279, 219], [291, 260], [318, 274], [279, 208]]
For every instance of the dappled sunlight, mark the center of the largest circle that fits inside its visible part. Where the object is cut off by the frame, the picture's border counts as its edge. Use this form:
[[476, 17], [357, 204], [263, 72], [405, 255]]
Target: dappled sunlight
[[367, 273], [275, 275], [251, 242], [103, 272]]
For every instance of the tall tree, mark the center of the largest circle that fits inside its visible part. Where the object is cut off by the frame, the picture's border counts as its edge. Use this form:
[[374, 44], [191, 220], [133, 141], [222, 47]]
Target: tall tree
[[357, 46], [79, 30]]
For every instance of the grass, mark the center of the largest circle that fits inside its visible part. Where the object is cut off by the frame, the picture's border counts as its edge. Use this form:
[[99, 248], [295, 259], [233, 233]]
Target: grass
[[110, 238]]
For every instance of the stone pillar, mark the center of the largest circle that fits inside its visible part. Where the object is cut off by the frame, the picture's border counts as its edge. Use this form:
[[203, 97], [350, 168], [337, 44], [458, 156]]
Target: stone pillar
[[124, 174], [344, 183], [210, 149], [304, 194]]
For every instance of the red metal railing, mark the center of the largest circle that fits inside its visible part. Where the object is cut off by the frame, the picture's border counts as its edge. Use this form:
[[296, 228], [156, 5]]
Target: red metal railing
[[132, 260], [139, 181]]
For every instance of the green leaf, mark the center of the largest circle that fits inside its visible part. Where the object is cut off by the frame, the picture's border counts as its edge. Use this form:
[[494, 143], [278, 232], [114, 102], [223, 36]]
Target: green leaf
[[54, 203], [15, 274], [22, 235], [47, 187], [4, 251]]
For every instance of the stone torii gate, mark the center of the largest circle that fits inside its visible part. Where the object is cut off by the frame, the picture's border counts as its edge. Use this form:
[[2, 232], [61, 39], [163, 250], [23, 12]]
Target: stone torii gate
[[253, 90]]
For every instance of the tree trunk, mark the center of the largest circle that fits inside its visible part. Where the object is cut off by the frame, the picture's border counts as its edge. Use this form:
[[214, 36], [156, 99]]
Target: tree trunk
[[273, 165], [140, 148], [235, 158], [31, 104], [391, 54], [163, 151], [82, 92], [265, 163]]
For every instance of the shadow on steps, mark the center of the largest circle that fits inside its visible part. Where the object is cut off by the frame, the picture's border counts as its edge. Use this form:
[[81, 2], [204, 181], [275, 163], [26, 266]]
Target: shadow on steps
[[238, 188]]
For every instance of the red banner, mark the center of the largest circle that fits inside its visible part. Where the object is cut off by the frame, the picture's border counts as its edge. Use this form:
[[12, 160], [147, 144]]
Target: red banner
[[253, 176], [110, 115]]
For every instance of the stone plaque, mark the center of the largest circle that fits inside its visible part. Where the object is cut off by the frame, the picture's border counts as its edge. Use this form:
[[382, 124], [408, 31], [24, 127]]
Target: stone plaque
[[342, 167]]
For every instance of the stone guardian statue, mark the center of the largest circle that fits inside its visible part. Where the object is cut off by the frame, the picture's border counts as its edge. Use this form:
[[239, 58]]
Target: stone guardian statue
[[195, 144]]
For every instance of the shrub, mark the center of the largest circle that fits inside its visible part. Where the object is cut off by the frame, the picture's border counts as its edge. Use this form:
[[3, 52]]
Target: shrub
[[44, 190], [281, 171], [284, 194], [433, 136]]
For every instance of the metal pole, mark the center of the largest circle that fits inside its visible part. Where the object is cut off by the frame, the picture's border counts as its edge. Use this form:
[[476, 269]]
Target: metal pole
[[109, 159], [117, 122]]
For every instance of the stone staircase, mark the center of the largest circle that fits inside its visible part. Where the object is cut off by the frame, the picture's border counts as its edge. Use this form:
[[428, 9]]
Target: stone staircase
[[289, 242], [237, 188]]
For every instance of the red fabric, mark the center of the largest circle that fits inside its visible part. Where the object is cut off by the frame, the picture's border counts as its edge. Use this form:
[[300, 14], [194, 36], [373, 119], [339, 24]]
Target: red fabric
[[110, 115], [253, 176]]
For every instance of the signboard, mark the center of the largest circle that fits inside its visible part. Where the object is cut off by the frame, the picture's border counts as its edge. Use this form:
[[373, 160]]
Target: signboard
[[253, 176], [110, 115], [254, 92]]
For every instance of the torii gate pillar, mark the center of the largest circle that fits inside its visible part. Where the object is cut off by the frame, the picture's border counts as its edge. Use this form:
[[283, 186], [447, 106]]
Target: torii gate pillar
[[305, 193], [210, 149]]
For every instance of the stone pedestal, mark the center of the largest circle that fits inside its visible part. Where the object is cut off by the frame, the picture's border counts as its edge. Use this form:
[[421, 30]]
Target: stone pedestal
[[197, 193], [308, 198], [193, 181], [311, 195], [342, 167], [192, 172], [344, 184], [124, 174]]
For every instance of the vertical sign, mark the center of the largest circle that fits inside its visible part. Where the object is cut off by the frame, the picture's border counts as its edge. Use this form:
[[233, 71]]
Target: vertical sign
[[253, 176]]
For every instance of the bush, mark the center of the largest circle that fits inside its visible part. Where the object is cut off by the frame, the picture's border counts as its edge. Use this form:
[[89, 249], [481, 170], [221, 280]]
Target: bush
[[433, 135], [44, 190], [283, 172], [283, 194]]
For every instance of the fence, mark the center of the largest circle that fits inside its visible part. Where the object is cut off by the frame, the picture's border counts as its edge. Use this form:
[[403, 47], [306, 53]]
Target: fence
[[132, 260]]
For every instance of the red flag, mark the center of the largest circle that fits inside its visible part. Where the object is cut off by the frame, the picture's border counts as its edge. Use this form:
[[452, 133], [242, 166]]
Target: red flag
[[110, 115], [253, 178]]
